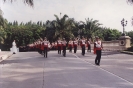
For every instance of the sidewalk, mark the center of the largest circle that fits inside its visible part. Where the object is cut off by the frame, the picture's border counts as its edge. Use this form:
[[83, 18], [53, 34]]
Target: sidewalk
[[4, 55]]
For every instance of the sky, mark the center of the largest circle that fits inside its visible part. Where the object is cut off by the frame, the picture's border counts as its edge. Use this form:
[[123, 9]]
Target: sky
[[108, 12]]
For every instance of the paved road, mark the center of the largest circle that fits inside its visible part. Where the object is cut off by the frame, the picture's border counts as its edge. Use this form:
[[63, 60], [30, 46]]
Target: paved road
[[31, 70]]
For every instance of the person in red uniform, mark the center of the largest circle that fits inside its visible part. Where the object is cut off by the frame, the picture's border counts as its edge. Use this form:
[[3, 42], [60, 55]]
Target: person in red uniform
[[70, 45], [89, 45], [45, 42], [75, 44], [49, 46], [55, 45], [98, 50], [36, 46], [83, 42], [59, 43], [42, 47], [64, 46]]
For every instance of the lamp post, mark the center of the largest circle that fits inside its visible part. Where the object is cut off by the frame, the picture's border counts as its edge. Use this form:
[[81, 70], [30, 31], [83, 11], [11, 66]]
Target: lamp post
[[123, 23]]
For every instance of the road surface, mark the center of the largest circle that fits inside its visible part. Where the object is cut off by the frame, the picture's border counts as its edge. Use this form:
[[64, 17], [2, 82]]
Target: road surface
[[32, 70]]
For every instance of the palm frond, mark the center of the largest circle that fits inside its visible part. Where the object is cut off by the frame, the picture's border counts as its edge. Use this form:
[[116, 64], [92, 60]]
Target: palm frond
[[29, 2], [130, 1], [57, 18], [64, 18]]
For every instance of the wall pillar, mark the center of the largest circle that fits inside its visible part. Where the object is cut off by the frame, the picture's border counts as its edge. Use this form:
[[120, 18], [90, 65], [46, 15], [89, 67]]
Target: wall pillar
[[125, 42]]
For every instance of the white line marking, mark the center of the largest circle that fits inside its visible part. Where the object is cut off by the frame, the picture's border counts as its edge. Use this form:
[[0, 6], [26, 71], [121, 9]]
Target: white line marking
[[43, 74], [105, 70]]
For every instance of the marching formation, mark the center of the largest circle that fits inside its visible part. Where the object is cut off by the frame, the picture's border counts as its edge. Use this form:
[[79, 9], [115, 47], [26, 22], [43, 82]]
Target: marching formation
[[61, 45]]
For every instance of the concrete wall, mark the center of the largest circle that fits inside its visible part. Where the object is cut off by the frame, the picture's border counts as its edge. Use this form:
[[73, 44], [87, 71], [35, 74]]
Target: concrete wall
[[112, 45]]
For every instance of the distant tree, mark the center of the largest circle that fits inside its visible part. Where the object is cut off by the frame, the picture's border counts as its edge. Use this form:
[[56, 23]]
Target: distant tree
[[130, 33], [40, 23], [109, 34]]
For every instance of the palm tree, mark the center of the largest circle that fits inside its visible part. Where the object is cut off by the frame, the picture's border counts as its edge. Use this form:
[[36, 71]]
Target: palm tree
[[78, 29], [1, 17], [3, 23], [63, 26], [29, 2], [91, 27], [75, 29], [2, 35]]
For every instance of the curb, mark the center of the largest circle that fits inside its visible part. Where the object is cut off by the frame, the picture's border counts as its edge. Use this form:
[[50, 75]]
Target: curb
[[3, 57], [127, 52]]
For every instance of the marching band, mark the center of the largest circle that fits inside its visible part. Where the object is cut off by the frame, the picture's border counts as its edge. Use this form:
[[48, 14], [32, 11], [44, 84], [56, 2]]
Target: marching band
[[43, 46]]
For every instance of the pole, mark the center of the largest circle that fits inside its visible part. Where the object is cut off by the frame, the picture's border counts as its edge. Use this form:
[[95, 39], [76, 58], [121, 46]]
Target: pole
[[123, 23]]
